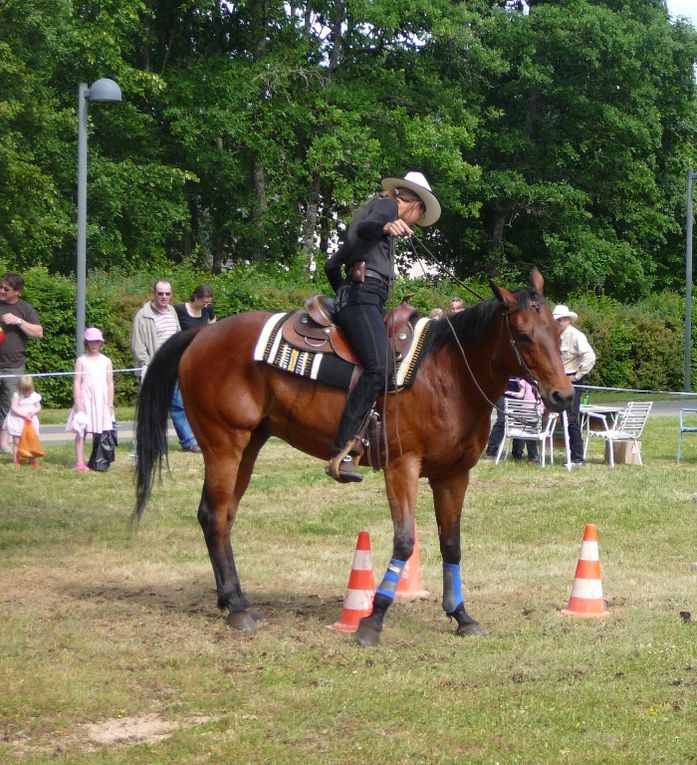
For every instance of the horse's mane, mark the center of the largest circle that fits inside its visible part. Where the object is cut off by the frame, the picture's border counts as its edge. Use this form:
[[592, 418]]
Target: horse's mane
[[472, 324]]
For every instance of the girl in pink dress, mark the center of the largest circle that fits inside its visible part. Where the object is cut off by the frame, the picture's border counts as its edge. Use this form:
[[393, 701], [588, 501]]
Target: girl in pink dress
[[26, 404], [93, 395]]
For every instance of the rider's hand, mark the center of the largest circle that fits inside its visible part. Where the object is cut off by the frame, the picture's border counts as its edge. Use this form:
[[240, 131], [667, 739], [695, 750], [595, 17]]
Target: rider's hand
[[397, 228]]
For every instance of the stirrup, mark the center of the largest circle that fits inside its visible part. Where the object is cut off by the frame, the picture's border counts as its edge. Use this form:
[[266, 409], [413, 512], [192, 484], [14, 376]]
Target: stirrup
[[343, 467]]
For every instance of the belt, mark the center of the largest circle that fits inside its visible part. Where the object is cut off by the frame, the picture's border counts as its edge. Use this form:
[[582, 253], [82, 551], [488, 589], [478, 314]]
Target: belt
[[375, 275]]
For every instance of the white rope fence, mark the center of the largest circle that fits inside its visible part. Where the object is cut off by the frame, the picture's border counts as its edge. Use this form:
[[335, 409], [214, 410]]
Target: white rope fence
[[128, 370]]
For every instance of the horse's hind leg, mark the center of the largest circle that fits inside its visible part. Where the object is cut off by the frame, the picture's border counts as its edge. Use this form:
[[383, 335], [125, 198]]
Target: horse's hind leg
[[227, 478], [448, 496]]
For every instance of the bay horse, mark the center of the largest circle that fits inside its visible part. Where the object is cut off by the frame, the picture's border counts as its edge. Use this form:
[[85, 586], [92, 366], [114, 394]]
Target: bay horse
[[234, 404]]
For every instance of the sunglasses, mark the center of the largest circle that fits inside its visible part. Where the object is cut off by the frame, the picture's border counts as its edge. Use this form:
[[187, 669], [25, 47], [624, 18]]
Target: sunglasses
[[164, 294]]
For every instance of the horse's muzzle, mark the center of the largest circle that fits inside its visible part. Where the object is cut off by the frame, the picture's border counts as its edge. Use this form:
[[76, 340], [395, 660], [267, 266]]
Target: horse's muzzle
[[558, 401]]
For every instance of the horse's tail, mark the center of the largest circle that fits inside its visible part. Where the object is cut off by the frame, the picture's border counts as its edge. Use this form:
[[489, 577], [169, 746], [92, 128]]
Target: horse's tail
[[154, 401]]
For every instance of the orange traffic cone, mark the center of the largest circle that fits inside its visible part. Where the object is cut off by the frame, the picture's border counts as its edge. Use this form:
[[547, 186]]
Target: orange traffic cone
[[586, 601], [358, 601], [411, 583]]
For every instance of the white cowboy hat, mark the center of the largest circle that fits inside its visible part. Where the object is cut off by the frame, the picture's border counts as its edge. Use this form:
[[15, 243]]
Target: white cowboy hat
[[416, 182], [562, 311]]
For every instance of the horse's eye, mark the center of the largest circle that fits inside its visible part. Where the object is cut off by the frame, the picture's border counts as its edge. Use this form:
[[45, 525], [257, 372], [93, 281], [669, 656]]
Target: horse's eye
[[524, 338]]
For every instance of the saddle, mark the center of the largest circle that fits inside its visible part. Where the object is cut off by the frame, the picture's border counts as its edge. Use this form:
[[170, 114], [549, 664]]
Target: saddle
[[314, 330]]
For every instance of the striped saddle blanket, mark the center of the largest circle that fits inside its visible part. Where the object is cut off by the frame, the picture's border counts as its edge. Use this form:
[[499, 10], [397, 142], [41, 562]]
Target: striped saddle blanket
[[278, 348]]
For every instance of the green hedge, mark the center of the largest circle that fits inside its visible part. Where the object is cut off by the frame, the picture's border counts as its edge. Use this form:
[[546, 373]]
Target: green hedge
[[638, 346]]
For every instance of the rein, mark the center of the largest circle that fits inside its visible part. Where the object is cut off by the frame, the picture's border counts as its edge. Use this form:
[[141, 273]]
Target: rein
[[527, 372]]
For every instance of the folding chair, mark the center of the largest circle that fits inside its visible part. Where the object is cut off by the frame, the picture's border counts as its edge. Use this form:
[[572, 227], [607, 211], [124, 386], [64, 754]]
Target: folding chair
[[628, 426], [525, 420], [687, 424]]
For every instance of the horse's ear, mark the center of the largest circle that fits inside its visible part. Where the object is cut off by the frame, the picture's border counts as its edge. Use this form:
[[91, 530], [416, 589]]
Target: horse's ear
[[507, 299], [537, 282]]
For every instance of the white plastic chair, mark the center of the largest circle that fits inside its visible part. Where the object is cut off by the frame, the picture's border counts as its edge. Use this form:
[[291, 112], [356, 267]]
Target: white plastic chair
[[688, 424], [628, 426], [525, 420]]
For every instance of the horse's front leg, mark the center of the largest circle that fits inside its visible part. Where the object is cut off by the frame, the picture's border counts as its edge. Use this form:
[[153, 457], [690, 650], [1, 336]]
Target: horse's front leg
[[401, 482], [448, 496]]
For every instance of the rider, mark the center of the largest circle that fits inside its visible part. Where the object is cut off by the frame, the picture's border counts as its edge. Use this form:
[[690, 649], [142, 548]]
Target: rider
[[367, 254]]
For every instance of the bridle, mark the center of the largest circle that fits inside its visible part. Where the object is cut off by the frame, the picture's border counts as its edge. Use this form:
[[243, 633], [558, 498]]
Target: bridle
[[527, 372], [528, 375], [535, 303]]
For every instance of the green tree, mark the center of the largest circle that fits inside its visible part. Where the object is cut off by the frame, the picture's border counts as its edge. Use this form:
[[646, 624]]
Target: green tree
[[582, 131]]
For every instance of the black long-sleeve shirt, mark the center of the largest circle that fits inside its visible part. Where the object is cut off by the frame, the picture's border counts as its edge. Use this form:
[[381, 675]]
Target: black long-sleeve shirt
[[365, 240]]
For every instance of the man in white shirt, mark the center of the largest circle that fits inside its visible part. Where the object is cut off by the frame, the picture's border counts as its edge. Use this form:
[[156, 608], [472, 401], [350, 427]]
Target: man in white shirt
[[578, 359], [153, 325]]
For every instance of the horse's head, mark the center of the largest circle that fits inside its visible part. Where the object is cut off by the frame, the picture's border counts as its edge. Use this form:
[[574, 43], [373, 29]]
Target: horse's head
[[534, 342]]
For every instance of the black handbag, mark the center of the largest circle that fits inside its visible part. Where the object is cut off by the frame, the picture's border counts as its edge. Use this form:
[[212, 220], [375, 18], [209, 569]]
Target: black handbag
[[103, 451]]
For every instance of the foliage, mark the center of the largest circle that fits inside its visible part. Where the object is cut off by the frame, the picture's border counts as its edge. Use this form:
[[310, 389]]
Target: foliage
[[582, 135], [556, 134], [638, 345]]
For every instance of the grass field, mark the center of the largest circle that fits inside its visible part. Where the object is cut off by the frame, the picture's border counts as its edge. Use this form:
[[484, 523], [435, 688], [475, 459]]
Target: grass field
[[113, 650]]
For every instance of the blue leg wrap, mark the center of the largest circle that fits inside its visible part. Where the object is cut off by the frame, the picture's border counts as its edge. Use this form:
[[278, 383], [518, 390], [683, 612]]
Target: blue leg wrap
[[452, 587], [388, 586]]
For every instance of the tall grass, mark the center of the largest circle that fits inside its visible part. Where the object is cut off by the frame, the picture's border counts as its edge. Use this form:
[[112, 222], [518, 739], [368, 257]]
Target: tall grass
[[114, 651]]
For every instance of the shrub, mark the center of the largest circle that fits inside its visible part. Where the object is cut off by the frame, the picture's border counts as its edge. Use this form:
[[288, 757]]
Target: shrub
[[638, 346]]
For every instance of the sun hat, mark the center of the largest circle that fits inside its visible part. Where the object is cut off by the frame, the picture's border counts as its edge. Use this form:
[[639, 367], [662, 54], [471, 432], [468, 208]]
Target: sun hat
[[562, 311], [416, 182], [92, 334]]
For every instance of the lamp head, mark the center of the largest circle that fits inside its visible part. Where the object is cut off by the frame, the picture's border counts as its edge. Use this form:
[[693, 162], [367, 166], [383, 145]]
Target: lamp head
[[104, 90]]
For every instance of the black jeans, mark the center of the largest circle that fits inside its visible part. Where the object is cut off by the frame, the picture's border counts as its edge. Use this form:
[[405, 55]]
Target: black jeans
[[497, 430], [361, 318], [573, 415]]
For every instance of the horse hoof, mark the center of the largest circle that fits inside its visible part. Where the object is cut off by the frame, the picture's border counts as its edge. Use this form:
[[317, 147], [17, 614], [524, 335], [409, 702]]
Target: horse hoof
[[368, 634], [472, 629], [242, 621]]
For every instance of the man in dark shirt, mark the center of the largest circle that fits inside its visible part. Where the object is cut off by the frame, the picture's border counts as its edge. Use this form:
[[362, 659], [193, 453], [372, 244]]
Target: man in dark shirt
[[18, 321]]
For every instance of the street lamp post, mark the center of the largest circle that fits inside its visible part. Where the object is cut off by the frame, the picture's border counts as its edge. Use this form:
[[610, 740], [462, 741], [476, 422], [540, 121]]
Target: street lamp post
[[101, 91], [691, 176]]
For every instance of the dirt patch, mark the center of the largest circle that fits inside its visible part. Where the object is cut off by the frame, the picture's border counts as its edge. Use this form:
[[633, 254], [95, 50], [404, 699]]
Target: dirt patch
[[148, 729]]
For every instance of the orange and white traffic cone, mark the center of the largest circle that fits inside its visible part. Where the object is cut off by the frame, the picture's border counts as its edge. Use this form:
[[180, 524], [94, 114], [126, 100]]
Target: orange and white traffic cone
[[586, 601], [411, 583], [358, 601]]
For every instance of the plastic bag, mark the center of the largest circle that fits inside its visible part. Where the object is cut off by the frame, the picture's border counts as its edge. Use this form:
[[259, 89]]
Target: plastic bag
[[103, 451], [80, 423], [29, 445]]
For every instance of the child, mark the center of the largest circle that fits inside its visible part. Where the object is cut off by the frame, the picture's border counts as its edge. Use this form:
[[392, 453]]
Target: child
[[24, 408], [93, 395]]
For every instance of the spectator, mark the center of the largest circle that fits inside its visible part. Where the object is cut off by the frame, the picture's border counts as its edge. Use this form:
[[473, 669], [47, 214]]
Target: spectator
[[93, 395], [199, 310], [25, 405], [525, 393], [436, 313], [578, 359], [19, 321], [456, 305], [155, 323]]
